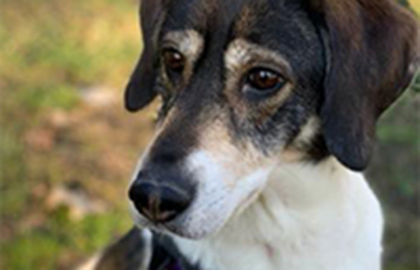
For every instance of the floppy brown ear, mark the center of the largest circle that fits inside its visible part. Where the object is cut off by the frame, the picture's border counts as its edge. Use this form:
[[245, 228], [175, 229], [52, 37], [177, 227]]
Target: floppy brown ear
[[140, 89], [373, 49]]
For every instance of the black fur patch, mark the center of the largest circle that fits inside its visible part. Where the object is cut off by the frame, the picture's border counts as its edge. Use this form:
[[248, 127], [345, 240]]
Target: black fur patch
[[166, 255], [126, 254]]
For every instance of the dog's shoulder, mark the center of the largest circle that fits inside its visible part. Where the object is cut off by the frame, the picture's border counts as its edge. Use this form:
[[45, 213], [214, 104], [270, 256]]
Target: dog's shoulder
[[140, 250]]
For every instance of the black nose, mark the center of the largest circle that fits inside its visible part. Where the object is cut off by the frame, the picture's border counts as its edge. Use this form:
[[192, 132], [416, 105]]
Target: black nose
[[157, 202]]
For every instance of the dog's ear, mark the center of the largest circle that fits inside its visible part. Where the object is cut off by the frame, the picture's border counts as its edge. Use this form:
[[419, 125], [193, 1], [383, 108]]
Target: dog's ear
[[373, 52], [140, 89]]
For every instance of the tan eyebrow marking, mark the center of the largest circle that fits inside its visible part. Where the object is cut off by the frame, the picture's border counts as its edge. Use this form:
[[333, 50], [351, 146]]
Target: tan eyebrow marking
[[188, 42], [241, 53]]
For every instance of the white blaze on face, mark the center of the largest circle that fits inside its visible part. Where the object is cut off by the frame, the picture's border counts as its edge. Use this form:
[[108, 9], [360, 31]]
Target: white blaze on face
[[227, 179], [220, 193], [227, 176]]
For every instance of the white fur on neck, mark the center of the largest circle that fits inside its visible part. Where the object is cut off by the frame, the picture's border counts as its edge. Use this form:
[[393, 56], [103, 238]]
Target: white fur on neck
[[309, 217]]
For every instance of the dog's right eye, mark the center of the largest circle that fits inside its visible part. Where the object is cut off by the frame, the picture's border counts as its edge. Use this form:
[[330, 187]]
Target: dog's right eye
[[173, 60], [261, 82]]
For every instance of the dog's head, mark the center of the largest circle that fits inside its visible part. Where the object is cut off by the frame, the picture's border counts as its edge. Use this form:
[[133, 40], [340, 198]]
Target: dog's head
[[247, 85]]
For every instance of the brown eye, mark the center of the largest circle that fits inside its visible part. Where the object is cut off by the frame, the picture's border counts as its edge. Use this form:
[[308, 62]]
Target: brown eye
[[264, 80], [173, 60]]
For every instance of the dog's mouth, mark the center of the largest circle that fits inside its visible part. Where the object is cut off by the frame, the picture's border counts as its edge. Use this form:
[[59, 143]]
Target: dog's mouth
[[215, 202], [189, 225], [186, 225]]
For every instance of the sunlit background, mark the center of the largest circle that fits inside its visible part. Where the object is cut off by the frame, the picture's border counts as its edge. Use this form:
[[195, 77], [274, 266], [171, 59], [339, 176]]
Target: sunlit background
[[68, 147]]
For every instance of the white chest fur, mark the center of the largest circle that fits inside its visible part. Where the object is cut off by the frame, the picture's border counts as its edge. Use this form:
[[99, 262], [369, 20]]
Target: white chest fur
[[309, 217]]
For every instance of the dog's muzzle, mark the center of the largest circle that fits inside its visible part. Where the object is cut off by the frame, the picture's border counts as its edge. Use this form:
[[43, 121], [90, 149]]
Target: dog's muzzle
[[161, 192]]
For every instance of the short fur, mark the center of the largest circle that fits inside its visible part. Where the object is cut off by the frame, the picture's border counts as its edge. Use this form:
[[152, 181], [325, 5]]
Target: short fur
[[273, 181]]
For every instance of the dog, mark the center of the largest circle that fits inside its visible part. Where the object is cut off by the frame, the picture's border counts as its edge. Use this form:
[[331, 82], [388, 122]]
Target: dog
[[266, 125]]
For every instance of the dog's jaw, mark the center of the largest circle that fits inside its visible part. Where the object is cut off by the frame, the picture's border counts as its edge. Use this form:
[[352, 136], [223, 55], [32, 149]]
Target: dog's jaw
[[221, 195], [311, 217]]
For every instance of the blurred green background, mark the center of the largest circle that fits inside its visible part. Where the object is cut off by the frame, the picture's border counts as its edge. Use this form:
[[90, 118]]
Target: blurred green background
[[67, 146]]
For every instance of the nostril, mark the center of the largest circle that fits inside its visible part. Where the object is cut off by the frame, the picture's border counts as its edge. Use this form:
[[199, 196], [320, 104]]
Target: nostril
[[139, 194], [173, 202]]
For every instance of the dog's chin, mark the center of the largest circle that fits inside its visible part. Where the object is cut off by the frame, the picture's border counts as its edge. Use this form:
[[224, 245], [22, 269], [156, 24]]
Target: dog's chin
[[214, 205], [192, 225], [200, 221]]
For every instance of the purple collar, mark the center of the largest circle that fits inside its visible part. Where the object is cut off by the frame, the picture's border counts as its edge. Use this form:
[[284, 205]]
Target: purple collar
[[175, 266]]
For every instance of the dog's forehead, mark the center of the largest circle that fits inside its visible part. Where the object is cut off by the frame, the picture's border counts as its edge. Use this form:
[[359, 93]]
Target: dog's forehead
[[208, 15], [280, 25]]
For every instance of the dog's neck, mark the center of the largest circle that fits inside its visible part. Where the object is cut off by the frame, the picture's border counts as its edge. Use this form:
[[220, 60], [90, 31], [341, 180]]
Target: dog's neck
[[309, 216]]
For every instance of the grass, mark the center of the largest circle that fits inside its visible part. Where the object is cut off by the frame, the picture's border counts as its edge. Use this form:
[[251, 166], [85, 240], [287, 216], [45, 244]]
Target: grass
[[61, 242], [415, 4], [50, 52]]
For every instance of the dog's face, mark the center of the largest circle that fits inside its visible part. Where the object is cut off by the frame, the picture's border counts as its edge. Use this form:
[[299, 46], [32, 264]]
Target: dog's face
[[247, 85]]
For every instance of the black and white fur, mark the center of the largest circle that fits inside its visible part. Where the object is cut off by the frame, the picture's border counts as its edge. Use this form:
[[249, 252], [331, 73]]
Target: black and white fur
[[269, 181]]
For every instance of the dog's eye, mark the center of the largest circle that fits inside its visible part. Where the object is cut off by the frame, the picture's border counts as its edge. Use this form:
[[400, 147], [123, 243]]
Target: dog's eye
[[262, 81], [173, 60]]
